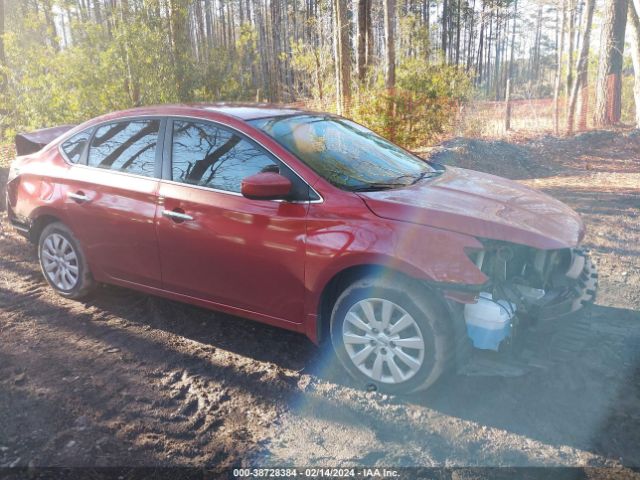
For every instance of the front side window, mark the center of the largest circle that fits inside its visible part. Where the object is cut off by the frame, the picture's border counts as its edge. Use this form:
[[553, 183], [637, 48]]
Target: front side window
[[208, 155], [126, 147], [345, 153], [73, 148]]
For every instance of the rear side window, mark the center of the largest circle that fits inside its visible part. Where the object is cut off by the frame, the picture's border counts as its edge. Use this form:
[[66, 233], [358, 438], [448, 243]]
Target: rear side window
[[207, 155], [73, 148], [126, 147]]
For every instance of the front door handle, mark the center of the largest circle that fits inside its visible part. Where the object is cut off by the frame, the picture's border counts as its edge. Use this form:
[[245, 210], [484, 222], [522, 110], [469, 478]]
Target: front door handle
[[79, 197], [177, 216]]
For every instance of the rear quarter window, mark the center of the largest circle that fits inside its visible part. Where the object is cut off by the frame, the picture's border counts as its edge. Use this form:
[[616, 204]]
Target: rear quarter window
[[74, 146]]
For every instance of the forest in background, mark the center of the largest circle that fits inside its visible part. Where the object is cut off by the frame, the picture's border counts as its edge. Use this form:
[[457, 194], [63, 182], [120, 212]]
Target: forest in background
[[405, 68]]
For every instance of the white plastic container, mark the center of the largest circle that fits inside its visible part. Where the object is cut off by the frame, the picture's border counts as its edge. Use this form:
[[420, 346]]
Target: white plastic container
[[488, 321]]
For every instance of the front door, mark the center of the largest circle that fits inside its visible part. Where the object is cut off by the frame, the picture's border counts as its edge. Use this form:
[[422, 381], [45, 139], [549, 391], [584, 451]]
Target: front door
[[219, 246]]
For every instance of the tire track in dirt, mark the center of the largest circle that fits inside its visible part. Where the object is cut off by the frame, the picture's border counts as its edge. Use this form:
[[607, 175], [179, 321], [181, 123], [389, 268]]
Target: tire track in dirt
[[149, 394]]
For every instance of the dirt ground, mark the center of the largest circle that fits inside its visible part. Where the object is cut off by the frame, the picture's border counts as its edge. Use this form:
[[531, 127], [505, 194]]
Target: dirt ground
[[126, 379]]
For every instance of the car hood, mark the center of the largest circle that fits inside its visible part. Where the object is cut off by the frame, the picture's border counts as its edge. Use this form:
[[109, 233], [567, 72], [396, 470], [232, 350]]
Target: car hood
[[481, 205]]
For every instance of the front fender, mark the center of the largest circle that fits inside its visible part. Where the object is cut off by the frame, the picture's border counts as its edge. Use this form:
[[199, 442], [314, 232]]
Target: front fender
[[424, 253]]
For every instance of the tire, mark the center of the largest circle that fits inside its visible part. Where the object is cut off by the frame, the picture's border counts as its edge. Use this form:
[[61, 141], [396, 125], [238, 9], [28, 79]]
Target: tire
[[63, 262], [424, 322]]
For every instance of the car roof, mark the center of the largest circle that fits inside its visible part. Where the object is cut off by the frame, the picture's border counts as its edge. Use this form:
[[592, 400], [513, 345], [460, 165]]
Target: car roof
[[252, 111], [241, 111]]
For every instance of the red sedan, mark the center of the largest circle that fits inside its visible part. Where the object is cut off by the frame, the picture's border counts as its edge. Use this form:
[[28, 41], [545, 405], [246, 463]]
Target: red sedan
[[301, 220]]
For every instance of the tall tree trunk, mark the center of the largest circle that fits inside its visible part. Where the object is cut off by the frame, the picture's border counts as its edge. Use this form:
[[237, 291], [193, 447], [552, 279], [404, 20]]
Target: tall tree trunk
[[427, 23], [489, 39], [275, 42], [580, 85], [364, 32], [570, 47], [507, 110], [97, 11], [343, 56], [259, 12], [67, 34], [470, 39], [634, 26], [480, 45], [498, 53], [536, 58], [458, 28], [390, 64], [609, 82], [209, 23], [425, 13], [558, 76], [200, 43], [82, 10], [131, 82], [445, 22], [48, 14], [179, 46], [3, 58], [370, 40]]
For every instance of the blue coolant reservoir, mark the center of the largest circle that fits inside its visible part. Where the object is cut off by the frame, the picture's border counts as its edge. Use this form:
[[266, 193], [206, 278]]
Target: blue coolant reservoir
[[488, 321]]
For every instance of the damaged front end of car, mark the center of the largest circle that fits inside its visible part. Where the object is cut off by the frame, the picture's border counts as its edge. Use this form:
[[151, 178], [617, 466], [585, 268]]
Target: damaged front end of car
[[542, 284], [526, 286]]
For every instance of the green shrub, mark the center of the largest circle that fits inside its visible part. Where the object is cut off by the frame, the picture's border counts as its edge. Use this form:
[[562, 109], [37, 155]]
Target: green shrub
[[423, 106]]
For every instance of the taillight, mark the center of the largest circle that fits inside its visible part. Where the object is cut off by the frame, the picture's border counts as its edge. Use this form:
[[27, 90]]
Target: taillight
[[14, 169], [13, 181]]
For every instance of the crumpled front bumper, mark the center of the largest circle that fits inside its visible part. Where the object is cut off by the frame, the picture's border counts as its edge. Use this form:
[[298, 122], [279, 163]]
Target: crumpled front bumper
[[579, 289]]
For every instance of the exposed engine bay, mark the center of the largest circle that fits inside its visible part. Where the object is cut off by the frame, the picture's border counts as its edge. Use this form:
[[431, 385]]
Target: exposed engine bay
[[526, 285]]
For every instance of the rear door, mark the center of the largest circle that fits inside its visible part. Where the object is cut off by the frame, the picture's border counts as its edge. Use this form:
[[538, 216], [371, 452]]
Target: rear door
[[219, 246], [112, 199]]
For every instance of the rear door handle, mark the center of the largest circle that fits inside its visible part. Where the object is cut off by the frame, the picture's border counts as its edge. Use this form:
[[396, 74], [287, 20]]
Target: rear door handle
[[177, 216], [78, 197]]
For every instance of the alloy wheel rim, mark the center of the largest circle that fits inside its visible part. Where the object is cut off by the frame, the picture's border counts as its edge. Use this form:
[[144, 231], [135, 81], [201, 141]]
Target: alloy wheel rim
[[383, 340], [60, 262]]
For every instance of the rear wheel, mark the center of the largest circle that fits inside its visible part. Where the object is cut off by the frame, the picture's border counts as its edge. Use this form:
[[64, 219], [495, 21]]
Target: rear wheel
[[391, 333], [63, 262]]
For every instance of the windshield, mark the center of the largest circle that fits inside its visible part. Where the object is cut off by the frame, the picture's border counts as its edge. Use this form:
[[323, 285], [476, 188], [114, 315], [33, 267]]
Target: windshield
[[346, 154]]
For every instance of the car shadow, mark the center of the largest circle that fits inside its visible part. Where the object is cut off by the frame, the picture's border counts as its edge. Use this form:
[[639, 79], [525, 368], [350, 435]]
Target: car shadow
[[581, 390]]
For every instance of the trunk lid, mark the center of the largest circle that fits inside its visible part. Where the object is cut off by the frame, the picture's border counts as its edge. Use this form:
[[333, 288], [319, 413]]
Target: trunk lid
[[32, 142]]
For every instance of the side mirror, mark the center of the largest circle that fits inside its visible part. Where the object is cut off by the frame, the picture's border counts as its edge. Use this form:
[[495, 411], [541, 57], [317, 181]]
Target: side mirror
[[266, 186]]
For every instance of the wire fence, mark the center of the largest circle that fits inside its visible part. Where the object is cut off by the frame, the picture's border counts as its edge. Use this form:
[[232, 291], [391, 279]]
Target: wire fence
[[486, 118]]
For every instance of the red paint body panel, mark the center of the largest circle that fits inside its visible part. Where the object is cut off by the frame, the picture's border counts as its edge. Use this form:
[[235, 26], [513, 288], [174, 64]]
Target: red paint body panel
[[116, 225], [343, 233], [271, 260], [266, 186], [482, 205], [244, 253]]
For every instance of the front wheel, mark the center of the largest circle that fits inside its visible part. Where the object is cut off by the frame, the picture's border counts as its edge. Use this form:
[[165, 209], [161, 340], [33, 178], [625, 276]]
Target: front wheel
[[63, 262], [392, 334]]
